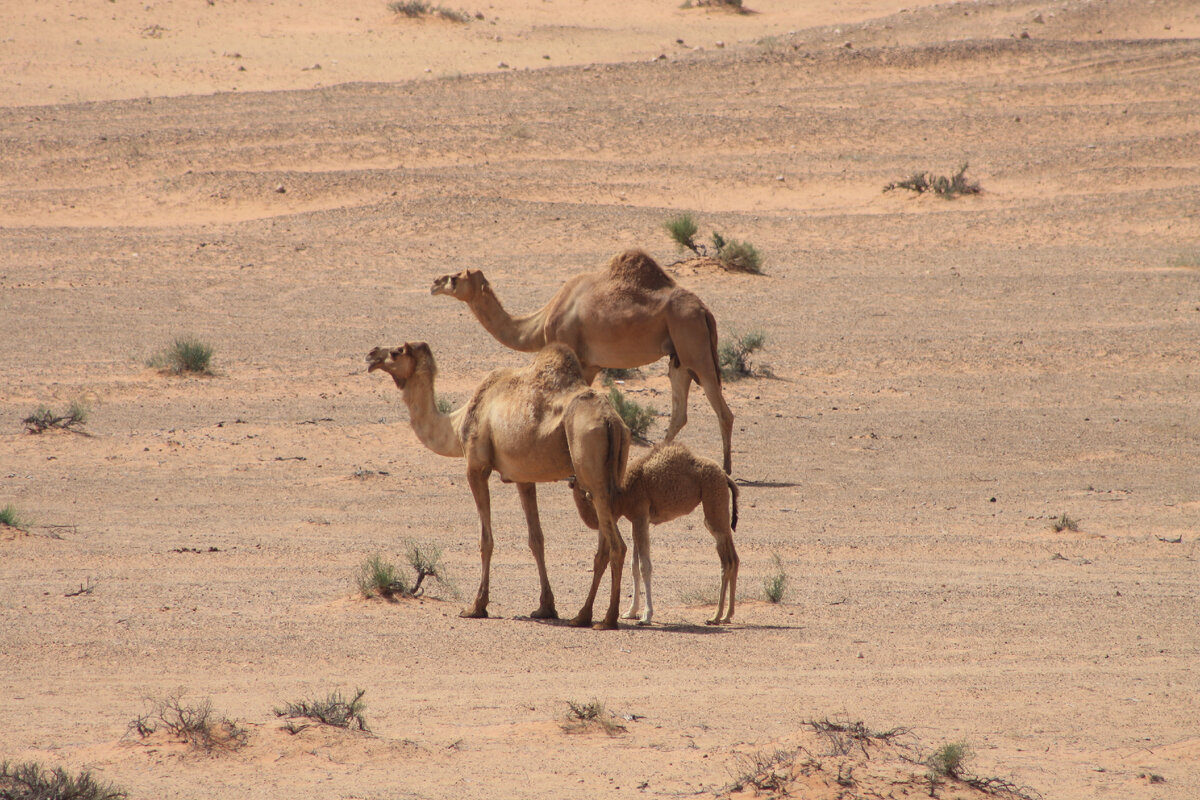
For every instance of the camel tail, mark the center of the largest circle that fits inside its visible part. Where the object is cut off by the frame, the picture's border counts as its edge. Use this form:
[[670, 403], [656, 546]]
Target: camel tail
[[618, 450], [712, 342], [733, 491]]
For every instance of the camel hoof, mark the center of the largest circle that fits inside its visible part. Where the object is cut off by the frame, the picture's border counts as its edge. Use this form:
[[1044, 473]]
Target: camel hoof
[[545, 613], [712, 622], [580, 622], [643, 623], [606, 625], [473, 613]]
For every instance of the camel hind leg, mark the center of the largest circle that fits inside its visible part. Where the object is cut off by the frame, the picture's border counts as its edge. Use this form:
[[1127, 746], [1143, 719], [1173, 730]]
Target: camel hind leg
[[694, 340], [718, 511], [641, 569]]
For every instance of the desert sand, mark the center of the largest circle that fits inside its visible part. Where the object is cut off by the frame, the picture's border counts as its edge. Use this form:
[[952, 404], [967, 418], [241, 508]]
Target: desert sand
[[942, 379]]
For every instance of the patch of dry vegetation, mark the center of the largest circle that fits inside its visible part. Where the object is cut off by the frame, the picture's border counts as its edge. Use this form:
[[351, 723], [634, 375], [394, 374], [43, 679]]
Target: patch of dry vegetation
[[591, 716], [196, 725], [949, 188]]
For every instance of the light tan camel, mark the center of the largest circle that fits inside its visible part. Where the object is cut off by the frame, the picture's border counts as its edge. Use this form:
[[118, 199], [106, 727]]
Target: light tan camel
[[531, 425], [628, 315], [665, 484]]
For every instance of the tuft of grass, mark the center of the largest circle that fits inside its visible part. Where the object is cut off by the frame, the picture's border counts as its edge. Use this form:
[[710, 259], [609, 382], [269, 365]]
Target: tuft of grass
[[11, 518], [199, 726], [1064, 523], [582, 717], [379, 577], [683, 229], [28, 781], [44, 418], [737, 256], [333, 710], [443, 404], [733, 357], [949, 760], [775, 584], [418, 8], [948, 188], [184, 355], [637, 418]]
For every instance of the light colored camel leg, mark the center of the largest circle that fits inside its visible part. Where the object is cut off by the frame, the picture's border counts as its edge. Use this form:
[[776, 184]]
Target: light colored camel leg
[[635, 606], [537, 544], [681, 384], [729, 570], [478, 480], [642, 547]]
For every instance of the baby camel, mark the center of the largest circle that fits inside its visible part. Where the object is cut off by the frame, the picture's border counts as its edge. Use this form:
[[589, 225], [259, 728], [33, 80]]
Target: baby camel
[[665, 484], [532, 425]]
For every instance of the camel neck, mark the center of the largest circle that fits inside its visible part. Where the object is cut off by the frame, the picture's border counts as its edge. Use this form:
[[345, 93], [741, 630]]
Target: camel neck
[[526, 334], [436, 430]]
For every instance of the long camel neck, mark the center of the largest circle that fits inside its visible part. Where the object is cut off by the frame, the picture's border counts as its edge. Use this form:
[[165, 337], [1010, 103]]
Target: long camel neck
[[436, 430], [527, 333]]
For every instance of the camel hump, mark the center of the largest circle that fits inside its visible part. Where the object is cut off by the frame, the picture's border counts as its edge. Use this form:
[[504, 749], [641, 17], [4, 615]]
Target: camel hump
[[638, 268], [557, 367]]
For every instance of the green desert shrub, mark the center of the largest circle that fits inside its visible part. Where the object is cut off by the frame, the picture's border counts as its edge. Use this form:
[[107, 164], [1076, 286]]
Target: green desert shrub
[[949, 760], [737, 256], [377, 577], [775, 584], [10, 517], [683, 229], [637, 418], [733, 357], [184, 355]]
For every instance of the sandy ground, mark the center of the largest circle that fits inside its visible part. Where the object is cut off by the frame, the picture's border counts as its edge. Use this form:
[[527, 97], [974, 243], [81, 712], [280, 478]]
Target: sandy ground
[[950, 376]]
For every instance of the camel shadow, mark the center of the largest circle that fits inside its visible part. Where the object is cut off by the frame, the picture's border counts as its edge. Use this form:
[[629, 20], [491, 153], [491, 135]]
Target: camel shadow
[[765, 484], [672, 627]]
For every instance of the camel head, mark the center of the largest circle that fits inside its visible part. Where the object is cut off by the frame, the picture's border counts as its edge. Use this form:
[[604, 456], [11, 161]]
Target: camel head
[[401, 362], [465, 285]]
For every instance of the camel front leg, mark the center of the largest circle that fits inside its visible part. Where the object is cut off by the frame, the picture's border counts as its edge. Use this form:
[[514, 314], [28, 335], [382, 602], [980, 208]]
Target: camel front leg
[[478, 480], [681, 384], [537, 544]]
